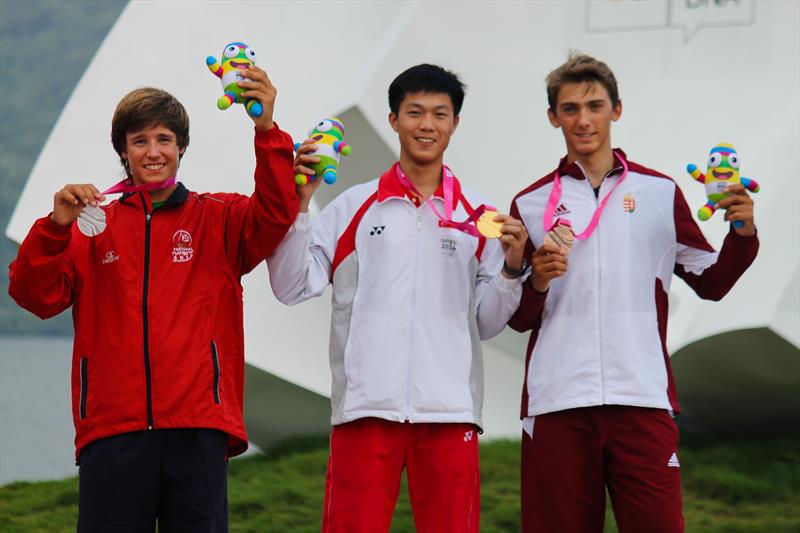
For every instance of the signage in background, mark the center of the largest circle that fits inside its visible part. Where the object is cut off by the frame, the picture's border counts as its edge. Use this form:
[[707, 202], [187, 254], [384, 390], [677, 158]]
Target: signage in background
[[689, 16]]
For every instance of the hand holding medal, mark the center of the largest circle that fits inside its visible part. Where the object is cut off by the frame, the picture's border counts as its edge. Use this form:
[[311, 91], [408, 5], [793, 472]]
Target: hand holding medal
[[70, 203]]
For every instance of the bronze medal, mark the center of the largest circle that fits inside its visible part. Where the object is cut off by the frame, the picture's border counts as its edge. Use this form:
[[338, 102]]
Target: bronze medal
[[562, 236]]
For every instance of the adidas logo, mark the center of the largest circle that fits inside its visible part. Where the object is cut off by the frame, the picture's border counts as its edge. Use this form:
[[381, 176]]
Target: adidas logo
[[673, 461], [561, 210]]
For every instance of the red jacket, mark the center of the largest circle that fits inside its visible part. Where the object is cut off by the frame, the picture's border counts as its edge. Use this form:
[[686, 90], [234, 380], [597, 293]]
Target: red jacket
[[157, 300]]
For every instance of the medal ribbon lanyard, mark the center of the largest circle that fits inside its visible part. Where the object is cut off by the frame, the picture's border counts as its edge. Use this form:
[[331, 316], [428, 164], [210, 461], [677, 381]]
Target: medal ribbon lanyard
[[127, 185], [446, 221], [555, 198]]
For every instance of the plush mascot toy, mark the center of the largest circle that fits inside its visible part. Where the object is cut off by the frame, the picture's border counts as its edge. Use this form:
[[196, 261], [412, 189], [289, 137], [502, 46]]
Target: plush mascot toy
[[723, 170], [327, 135], [235, 57]]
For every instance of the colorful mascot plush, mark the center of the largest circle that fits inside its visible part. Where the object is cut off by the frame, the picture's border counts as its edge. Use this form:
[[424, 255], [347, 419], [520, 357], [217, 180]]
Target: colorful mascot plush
[[723, 170], [327, 135], [235, 57]]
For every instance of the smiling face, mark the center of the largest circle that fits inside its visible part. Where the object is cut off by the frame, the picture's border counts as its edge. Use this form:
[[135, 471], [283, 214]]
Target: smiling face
[[584, 113], [152, 154], [723, 163], [237, 56], [424, 123]]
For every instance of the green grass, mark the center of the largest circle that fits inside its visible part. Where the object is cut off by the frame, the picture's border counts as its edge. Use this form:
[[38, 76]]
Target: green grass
[[735, 487]]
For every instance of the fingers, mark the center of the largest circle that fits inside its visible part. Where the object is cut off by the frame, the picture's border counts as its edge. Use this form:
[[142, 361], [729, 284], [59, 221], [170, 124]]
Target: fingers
[[547, 248], [737, 194], [513, 238], [739, 212], [307, 147], [547, 264], [257, 86], [512, 229], [71, 199], [86, 194], [303, 158], [301, 169]]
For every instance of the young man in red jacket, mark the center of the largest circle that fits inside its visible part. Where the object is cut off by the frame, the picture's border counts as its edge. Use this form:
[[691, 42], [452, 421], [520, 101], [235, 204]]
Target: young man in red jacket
[[154, 283], [608, 235]]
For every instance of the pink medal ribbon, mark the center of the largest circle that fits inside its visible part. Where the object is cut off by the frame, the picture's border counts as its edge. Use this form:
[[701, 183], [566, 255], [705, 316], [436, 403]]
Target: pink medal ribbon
[[555, 198], [126, 186], [92, 219], [446, 221]]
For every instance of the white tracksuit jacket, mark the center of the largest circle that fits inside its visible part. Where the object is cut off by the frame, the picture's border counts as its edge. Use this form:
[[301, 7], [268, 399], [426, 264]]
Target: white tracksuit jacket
[[598, 336], [411, 301]]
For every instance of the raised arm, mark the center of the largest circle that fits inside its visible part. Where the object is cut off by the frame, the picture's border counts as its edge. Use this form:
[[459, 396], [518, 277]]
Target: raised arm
[[301, 266], [709, 274], [256, 225]]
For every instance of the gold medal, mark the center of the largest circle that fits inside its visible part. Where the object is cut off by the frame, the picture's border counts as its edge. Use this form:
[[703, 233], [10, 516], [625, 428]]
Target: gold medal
[[487, 226], [562, 236]]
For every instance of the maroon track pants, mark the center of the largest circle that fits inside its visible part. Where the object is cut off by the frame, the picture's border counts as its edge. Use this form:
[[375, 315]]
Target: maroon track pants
[[575, 454]]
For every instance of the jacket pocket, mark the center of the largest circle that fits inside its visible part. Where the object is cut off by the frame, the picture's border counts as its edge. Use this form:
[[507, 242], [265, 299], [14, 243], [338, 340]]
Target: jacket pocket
[[84, 386], [215, 362]]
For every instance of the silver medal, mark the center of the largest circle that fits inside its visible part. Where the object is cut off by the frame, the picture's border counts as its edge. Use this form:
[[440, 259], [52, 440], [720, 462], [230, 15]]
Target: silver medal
[[92, 221]]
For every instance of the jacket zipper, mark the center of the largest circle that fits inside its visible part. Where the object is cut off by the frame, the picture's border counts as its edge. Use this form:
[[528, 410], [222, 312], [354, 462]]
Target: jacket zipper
[[599, 301], [145, 325], [412, 336], [215, 361], [84, 386]]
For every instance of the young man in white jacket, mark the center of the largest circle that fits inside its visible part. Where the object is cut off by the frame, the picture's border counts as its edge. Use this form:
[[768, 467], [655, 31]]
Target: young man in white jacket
[[414, 292], [598, 392]]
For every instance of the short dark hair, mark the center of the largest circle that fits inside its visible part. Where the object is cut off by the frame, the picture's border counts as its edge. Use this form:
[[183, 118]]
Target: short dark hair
[[581, 68], [144, 108], [426, 78]]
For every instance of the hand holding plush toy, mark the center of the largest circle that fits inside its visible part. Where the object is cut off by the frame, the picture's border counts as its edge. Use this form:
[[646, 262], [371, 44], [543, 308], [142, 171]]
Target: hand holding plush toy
[[327, 136], [235, 57], [723, 170]]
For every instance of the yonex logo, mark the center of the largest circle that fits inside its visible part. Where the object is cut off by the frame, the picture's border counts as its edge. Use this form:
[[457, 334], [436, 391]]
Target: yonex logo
[[377, 230], [673, 461], [468, 436]]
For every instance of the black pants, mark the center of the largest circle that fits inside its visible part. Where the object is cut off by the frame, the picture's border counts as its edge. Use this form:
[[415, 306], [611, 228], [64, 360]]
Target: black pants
[[175, 476]]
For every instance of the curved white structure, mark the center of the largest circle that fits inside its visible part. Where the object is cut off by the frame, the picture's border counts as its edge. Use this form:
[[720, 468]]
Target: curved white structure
[[689, 78]]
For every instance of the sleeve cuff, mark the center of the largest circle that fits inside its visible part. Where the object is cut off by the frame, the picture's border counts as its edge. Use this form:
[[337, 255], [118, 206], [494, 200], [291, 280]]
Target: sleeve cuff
[[509, 284], [273, 135], [302, 222], [51, 229]]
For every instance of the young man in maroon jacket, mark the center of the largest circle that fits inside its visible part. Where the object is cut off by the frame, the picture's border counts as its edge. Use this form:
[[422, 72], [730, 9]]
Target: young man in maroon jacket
[[154, 284], [606, 236]]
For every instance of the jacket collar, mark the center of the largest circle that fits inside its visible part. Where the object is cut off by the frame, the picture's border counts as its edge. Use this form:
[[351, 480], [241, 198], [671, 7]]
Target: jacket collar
[[575, 169], [389, 186], [178, 196]]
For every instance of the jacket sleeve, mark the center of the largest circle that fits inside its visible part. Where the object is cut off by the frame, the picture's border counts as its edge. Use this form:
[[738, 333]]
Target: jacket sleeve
[[301, 267], [531, 305], [711, 275], [497, 297], [256, 225], [42, 277]]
